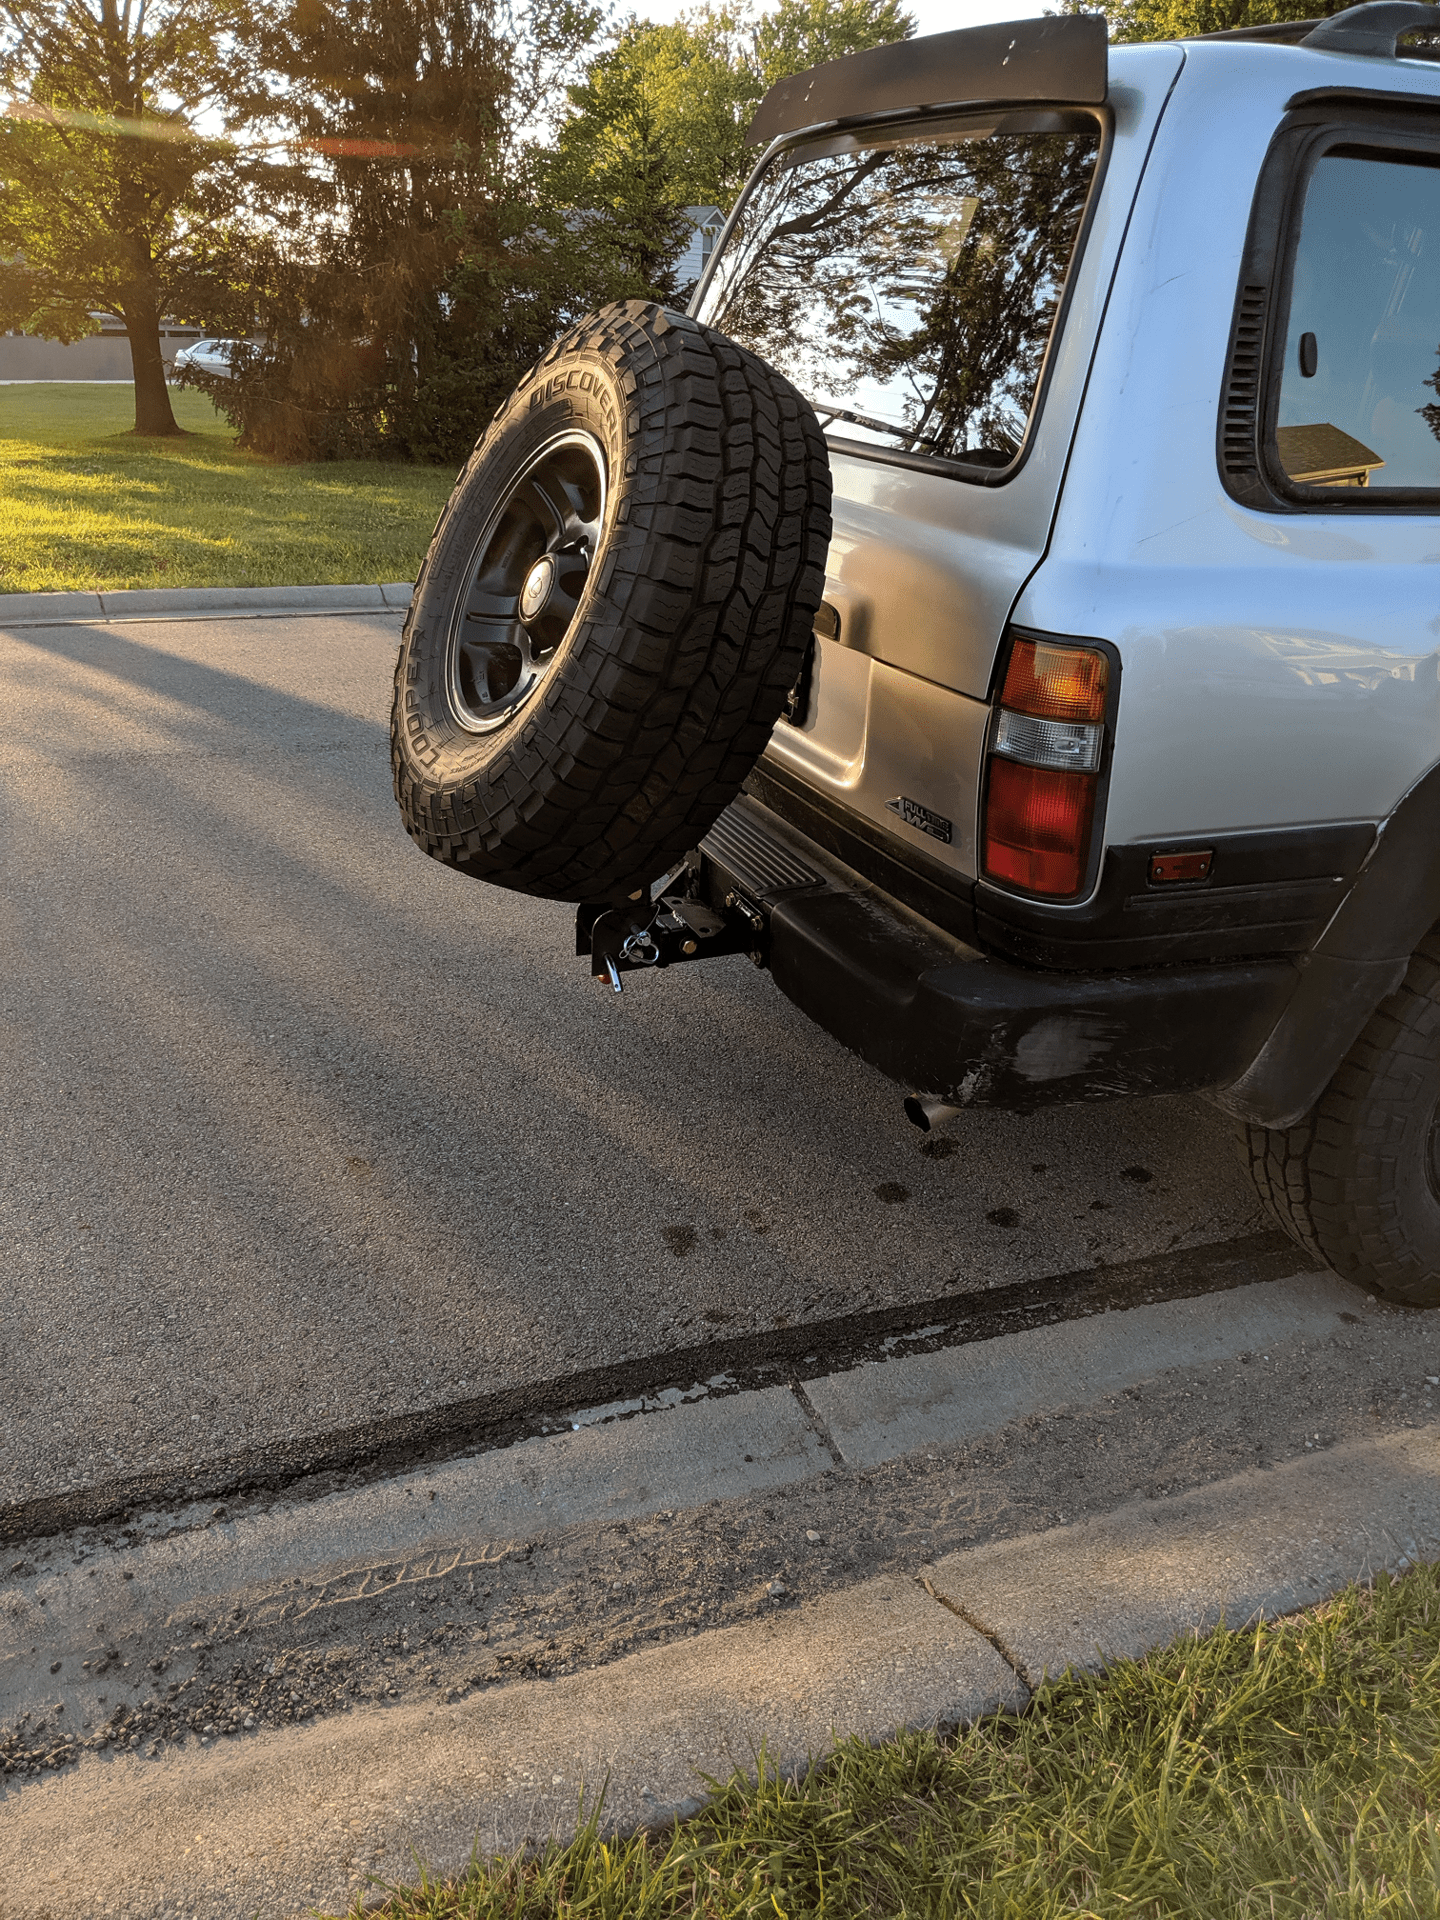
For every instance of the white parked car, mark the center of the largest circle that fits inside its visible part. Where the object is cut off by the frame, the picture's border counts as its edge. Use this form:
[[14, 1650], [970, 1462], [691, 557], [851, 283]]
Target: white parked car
[[1005, 605], [215, 357]]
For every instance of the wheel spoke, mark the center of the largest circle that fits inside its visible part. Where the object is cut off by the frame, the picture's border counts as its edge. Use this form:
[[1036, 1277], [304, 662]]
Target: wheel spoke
[[579, 529], [481, 604], [545, 504], [494, 659], [512, 549], [577, 500], [530, 654]]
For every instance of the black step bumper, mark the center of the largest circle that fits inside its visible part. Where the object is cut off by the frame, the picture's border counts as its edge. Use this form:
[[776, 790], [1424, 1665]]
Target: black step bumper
[[945, 1019]]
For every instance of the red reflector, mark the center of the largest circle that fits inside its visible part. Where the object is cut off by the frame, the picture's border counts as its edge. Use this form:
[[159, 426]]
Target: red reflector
[[1037, 827], [1055, 683], [1181, 866]]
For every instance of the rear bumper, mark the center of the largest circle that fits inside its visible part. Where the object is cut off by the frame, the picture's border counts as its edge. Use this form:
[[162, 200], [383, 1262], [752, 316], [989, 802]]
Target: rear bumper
[[942, 1018]]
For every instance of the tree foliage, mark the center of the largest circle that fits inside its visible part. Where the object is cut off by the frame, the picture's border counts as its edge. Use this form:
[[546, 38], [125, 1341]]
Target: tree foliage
[[1182, 19], [409, 200], [660, 120], [415, 271], [440, 242], [109, 198]]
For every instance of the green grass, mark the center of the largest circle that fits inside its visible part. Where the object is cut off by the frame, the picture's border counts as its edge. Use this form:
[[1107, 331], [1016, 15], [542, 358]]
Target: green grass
[[85, 504], [1280, 1774]]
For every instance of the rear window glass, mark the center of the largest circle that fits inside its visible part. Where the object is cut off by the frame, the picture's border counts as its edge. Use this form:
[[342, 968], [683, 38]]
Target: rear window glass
[[1360, 390], [908, 285]]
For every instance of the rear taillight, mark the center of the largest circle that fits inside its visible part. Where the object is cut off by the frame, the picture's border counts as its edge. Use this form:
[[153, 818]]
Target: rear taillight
[[1044, 769]]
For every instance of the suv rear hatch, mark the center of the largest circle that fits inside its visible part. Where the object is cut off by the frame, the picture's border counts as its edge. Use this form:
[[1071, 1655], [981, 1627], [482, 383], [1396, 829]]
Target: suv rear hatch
[[928, 264]]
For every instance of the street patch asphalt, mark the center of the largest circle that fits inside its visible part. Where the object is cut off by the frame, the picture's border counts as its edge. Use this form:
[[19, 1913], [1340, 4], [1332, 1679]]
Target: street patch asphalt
[[305, 1136]]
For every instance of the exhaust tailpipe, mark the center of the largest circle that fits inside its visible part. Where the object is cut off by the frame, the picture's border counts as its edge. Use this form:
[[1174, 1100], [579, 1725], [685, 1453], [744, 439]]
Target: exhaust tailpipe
[[929, 1113]]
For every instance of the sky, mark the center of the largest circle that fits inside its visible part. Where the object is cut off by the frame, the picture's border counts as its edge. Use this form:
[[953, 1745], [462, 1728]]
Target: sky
[[932, 16]]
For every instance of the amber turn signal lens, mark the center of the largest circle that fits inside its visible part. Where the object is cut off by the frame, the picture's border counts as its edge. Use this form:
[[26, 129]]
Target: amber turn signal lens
[[1037, 827], [1055, 683], [1165, 867]]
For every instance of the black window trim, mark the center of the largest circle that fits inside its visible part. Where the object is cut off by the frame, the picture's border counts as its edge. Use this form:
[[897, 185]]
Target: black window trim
[[1317, 122], [939, 465]]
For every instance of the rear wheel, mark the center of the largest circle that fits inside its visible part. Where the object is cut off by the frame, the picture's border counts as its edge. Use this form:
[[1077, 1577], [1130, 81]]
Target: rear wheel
[[615, 604], [1357, 1181]]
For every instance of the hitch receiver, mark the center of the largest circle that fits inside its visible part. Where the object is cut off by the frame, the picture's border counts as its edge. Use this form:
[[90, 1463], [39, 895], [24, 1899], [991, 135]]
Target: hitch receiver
[[666, 928]]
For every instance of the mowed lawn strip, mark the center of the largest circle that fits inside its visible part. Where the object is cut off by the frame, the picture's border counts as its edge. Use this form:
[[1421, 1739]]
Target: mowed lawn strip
[[1286, 1771], [85, 505]]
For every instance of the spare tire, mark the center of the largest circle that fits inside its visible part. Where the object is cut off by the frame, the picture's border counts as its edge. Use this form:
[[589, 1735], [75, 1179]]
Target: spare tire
[[616, 601]]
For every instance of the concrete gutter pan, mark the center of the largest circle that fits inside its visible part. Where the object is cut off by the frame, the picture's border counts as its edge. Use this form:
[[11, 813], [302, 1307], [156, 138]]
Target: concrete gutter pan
[[284, 1818], [267, 1825], [185, 603]]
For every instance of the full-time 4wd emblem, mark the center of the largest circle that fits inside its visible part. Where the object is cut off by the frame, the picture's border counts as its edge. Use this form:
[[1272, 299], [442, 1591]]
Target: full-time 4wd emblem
[[914, 815]]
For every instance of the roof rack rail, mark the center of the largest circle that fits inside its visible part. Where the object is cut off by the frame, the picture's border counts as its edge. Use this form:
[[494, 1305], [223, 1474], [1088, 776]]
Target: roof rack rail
[[1287, 31], [1374, 28]]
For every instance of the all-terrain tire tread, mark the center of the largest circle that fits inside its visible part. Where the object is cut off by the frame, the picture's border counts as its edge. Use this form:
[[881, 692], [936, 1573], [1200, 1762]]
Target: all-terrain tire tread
[[709, 594], [1329, 1181]]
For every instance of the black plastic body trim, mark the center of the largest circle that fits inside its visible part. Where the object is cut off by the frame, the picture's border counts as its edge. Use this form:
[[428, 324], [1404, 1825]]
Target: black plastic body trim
[[937, 1015], [1351, 97], [1268, 893], [1373, 29], [973, 474], [1063, 57], [1359, 959]]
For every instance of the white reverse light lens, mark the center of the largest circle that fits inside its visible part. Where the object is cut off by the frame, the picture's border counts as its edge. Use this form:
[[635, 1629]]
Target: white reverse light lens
[[1070, 745]]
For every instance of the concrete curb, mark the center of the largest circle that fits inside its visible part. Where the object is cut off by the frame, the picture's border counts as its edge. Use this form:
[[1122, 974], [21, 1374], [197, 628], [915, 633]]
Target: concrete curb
[[428, 1526], [180, 603], [270, 1824]]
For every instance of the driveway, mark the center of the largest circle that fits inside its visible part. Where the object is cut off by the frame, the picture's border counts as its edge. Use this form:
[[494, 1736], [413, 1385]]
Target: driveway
[[305, 1136]]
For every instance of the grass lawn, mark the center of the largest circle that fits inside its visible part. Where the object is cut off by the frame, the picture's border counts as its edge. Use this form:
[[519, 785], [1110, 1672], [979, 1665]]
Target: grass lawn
[[84, 504], [1282, 1774]]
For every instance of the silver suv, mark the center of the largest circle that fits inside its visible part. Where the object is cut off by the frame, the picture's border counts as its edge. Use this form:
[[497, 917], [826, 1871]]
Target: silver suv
[[1109, 758]]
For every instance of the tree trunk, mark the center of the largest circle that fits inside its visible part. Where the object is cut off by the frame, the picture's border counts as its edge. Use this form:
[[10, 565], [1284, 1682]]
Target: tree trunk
[[153, 414]]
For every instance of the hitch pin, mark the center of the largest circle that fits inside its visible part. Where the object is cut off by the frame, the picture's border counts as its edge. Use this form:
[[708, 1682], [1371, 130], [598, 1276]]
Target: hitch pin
[[614, 973]]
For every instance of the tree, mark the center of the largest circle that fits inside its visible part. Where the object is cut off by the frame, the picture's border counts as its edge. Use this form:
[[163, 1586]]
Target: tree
[[805, 33], [109, 198], [660, 120], [1179, 19], [412, 272], [413, 107], [620, 160]]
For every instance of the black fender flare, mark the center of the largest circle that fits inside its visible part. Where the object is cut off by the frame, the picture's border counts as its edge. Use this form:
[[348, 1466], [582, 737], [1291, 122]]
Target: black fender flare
[[1359, 960]]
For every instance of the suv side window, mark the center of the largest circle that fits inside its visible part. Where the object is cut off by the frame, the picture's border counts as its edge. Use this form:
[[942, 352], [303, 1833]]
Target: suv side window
[[1359, 401]]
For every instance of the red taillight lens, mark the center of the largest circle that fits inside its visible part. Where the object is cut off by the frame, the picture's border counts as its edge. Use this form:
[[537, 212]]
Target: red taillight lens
[[1037, 827], [1045, 756], [1057, 683]]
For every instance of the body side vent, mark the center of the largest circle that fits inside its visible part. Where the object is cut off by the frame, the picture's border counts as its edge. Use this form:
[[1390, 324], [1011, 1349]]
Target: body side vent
[[1241, 469], [1239, 416]]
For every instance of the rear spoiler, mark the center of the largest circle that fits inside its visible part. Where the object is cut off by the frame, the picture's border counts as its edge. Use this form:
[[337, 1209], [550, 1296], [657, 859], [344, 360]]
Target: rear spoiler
[[1060, 59]]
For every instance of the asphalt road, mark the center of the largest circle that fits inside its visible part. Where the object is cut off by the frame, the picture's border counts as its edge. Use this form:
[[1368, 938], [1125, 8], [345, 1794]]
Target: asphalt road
[[301, 1131]]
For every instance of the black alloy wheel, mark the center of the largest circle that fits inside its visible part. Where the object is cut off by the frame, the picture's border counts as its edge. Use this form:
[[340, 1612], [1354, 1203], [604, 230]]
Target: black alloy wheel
[[527, 579]]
